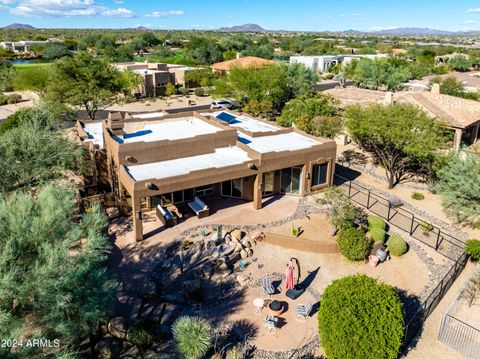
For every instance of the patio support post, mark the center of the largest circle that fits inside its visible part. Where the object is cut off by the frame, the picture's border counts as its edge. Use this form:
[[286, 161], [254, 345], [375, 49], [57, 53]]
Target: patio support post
[[257, 191], [137, 218], [458, 139]]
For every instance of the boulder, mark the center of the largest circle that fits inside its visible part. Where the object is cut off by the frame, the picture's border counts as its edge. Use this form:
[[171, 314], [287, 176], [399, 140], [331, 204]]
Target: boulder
[[223, 266], [237, 234], [118, 327], [131, 353], [238, 249], [246, 243], [249, 252], [191, 286], [108, 347], [243, 254]]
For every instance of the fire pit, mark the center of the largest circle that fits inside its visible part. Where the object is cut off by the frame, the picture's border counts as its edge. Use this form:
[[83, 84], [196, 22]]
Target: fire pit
[[276, 307]]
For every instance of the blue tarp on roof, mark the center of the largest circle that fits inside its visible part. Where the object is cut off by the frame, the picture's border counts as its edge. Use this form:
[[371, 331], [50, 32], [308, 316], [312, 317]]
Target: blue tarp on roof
[[243, 140], [226, 117], [137, 134]]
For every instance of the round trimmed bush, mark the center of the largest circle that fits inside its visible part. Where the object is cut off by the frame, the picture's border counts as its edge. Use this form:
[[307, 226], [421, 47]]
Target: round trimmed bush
[[193, 336], [396, 245], [199, 91], [353, 243], [418, 196], [376, 222], [377, 234], [360, 317], [142, 333], [473, 249]]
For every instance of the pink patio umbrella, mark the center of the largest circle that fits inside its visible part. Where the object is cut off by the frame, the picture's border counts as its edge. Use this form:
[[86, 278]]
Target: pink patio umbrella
[[289, 277]]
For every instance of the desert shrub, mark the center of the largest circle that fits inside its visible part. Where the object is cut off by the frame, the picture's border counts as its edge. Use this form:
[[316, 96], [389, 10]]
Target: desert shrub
[[14, 98], [418, 196], [343, 212], [376, 222], [192, 336], [396, 245], [183, 91], [353, 244], [199, 92], [377, 234], [473, 249], [142, 333], [360, 317], [3, 100]]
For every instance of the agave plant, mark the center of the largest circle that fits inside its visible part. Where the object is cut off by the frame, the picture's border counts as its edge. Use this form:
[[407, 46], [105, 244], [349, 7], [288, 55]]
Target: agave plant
[[193, 336]]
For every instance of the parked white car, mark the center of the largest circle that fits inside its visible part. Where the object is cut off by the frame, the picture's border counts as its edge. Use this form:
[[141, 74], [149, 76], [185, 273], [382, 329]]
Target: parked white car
[[225, 104]]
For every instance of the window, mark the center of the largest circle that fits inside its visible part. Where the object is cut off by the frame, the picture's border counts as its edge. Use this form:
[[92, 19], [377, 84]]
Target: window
[[204, 190], [319, 174], [268, 183]]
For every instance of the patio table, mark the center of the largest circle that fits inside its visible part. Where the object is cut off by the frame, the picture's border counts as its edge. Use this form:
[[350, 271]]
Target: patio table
[[259, 303]]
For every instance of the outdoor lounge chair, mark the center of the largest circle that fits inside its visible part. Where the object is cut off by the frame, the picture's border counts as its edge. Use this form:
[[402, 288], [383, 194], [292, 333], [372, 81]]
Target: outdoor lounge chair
[[199, 207], [270, 324], [165, 216], [267, 287], [303, 311]]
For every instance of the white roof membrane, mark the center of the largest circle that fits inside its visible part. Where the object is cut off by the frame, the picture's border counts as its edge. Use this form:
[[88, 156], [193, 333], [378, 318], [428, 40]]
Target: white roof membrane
[[95, 133], [290, 141]]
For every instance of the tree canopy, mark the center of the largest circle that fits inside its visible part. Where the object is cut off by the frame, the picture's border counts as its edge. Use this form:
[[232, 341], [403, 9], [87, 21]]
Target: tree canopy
[[458, 184], [401, 138], [459, 63], [31, 153], [53, 282], [360, 317], [89, 82]]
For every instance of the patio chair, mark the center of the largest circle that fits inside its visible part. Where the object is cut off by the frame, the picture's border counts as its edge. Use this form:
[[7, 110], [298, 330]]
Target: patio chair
[[267, 287], [270, 324], [199, 207], [165, 216], [303, 311]]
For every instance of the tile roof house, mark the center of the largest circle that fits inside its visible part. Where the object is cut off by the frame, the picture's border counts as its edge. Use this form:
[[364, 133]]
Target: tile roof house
[[242, 62], [459, 114], [166, 160]]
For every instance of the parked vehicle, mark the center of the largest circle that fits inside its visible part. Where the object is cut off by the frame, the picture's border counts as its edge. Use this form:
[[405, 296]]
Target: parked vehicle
[[224, 104]]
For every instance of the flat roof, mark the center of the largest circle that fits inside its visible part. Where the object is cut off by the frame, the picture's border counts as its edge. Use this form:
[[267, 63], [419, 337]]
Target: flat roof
[[148, 71], [95, 133], [290, 141], [147, 115], [173, 129], [222, 157], [243, 122]]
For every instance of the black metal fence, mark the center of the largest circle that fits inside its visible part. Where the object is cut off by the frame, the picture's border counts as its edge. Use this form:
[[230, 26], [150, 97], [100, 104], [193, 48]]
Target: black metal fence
[[421, 230]]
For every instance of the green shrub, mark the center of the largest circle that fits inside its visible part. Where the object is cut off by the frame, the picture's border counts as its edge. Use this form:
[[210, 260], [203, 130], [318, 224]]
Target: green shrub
[[14, 98], [353, 243], [473, 249], [142, 333], [396, 245], [378, 234], [183, 91], [3, 100], [199, 92], [360, 317], [418, 196], [193, 336], [377, 222]]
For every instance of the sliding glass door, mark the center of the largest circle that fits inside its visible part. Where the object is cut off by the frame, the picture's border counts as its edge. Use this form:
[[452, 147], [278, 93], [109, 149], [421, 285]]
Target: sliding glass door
[[291, 180], [232, 188], [268, 180]]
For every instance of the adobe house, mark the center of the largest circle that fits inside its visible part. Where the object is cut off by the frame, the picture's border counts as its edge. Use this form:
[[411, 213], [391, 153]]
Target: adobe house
[[161, 159], [460, 115]]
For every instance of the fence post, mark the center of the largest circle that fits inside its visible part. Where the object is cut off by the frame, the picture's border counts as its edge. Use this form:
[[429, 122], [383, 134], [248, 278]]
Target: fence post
[[437, 245], [411, 224], [349, 188], [389, 207], [368, 200]]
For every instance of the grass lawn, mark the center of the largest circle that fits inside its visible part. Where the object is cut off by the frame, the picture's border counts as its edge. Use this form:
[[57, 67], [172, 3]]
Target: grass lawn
[[28, 67]]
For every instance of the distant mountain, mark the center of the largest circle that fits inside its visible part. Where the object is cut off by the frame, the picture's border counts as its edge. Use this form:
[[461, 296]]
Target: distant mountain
[[413, 31], [19, 26], [243, 28], [141, 28]]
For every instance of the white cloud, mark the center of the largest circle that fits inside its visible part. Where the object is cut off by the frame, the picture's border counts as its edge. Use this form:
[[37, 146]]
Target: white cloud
[[7, 2], [66, 8], [468, 22], [120, 12], [475, 10], [166, 13]]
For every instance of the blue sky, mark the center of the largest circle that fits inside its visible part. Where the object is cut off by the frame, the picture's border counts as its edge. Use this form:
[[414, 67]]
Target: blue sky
[[310, 15]]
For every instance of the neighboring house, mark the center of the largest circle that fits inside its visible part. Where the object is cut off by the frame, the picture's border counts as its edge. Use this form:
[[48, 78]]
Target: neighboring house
[[156, 76], [24, 46], [224, 67], [460, 115], [160, 159], [471, 80], [324, 62]]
